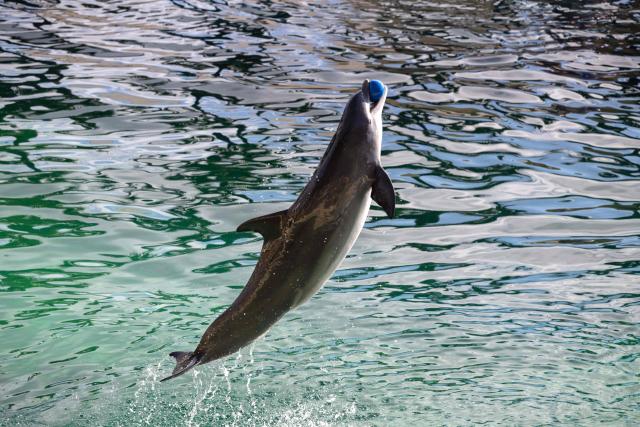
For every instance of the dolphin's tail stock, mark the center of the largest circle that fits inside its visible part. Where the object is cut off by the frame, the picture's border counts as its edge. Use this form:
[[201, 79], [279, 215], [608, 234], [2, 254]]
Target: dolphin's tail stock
[[185, 360]]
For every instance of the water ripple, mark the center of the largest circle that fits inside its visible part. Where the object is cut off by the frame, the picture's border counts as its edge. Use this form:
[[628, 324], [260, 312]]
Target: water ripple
[[136, 135]]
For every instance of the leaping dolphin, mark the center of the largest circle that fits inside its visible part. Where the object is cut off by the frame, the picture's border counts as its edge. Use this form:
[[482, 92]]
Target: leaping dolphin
[[304, 244]]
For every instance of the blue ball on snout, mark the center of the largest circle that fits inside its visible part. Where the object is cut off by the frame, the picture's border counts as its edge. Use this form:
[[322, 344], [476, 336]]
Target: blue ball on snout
[[376, 90]]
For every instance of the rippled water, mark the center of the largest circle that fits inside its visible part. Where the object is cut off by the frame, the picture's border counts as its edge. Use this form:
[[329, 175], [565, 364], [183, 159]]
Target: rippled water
[[136, 135]]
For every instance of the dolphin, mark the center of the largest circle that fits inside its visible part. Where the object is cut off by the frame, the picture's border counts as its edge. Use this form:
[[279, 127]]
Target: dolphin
[[303, 245]]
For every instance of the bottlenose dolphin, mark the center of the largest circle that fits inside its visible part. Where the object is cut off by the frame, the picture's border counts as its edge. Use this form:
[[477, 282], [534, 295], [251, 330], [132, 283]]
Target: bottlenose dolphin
[[304, 244]]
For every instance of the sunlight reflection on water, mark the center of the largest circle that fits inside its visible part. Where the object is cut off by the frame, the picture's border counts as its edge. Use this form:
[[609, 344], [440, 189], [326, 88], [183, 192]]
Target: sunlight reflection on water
[[137, 135]]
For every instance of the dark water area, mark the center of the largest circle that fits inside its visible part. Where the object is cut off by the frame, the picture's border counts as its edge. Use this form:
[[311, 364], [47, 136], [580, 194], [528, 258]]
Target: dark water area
[[136, 135]]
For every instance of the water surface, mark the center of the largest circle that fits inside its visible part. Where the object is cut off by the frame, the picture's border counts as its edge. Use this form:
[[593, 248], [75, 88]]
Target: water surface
[[136, 135]]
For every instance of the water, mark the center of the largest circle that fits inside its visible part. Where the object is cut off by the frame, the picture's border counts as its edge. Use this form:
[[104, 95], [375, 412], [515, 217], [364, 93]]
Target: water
[[135, 136]]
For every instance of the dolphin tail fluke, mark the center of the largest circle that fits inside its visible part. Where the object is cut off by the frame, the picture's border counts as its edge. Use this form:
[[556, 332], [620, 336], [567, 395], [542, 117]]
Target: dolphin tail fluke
[[185, 360]]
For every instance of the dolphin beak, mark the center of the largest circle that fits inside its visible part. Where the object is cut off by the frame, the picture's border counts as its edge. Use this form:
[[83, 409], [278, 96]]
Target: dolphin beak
[[365, 90], [375, 108]]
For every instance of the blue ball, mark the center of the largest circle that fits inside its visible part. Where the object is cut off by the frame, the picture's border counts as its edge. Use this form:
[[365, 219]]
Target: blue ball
[[376, 89]]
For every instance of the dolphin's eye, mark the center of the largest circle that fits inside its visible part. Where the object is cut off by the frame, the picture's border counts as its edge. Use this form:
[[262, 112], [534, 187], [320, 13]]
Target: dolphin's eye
[[376, 89]]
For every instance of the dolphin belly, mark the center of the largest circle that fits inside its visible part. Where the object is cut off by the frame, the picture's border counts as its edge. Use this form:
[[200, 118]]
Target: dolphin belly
[[334, 248]]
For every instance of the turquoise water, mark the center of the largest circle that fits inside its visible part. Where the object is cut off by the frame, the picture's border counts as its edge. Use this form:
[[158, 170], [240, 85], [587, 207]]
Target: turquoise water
[[135, 136]]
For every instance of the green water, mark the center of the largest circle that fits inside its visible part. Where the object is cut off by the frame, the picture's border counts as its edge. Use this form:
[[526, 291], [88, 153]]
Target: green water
[[135, 136]]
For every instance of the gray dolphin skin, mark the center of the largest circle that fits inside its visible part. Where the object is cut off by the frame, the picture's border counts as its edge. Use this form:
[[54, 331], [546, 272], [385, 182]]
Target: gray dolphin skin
[[304, 244]]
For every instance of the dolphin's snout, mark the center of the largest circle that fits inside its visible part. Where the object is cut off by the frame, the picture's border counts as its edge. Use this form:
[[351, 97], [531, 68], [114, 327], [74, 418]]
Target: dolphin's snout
[[372, 90], [374, 94], [365, 90]]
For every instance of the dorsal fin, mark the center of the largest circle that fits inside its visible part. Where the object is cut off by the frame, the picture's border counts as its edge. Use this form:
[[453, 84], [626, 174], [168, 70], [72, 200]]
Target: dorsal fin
[[269, 225]]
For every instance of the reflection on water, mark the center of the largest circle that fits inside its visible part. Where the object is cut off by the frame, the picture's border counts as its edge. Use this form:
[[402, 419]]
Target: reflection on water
[[136, 135]]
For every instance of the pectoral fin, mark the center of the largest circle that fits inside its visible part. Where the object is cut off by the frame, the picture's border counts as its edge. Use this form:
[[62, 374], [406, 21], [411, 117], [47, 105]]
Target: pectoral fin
[[383, 192], [270, 226]]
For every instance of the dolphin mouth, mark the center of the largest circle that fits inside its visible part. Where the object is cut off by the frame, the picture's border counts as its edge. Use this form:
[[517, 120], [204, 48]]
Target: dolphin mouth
[[374, 108]]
